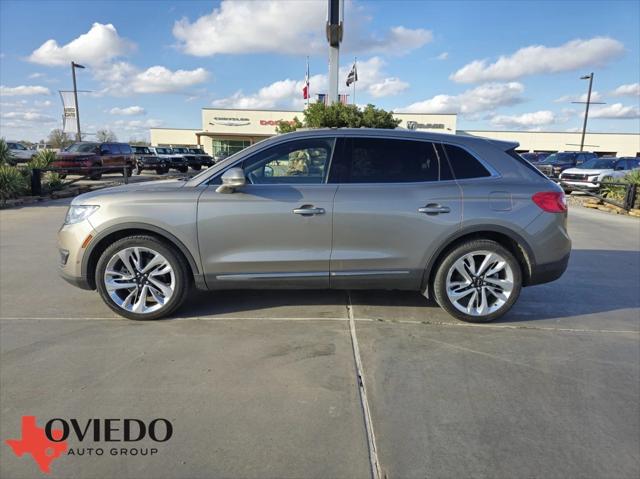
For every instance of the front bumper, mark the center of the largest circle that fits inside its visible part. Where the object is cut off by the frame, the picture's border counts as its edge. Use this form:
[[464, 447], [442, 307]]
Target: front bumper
[[580, 185], [72, 244]]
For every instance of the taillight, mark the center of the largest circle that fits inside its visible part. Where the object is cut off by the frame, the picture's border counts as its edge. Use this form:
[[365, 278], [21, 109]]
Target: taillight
[[550, 201]]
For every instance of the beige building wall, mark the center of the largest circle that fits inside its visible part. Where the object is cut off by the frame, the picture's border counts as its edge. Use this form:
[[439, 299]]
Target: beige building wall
[[173, 136], [619, 144]]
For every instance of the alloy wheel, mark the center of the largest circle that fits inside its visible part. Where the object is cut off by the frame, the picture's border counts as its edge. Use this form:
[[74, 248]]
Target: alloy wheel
[[139, 280], [479, 283]]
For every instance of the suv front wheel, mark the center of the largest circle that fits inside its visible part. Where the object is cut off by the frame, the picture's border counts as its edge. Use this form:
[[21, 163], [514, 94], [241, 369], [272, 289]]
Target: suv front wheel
[[478, 281], [140, 277]]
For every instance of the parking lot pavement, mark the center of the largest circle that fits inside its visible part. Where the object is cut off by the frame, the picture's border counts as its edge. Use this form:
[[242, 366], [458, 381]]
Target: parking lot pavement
[[263, 383]]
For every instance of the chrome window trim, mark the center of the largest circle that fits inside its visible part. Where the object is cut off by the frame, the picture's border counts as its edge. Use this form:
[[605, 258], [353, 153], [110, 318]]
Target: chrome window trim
[[252, 276]]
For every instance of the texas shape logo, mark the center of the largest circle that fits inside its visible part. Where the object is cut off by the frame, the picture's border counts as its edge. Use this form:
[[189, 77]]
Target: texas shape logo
[[35, 442]]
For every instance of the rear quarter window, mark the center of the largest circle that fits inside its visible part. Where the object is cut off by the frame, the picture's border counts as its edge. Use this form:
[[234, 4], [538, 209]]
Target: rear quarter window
[[464, 164], [523, 162]]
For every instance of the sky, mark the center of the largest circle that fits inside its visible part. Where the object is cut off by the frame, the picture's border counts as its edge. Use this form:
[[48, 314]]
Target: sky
[[500, 65]]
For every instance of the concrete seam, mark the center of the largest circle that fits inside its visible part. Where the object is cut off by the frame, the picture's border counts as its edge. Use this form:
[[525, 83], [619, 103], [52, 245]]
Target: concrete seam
[[376, 470]]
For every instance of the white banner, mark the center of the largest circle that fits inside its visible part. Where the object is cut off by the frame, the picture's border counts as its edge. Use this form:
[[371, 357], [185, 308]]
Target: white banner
[[69, 124]]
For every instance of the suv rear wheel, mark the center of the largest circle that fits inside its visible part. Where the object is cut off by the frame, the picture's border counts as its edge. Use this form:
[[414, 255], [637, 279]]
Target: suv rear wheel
[[140, 277], [478, 281]]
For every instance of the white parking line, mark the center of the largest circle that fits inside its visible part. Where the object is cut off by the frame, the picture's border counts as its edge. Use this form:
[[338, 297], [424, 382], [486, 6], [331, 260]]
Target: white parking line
[[376, 471]]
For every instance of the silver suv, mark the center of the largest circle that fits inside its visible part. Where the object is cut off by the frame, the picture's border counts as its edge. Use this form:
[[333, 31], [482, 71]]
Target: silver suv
[[462, 219]]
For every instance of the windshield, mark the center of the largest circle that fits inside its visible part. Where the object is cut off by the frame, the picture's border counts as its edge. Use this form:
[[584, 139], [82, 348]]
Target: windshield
[[180, 150], [83, 148], [559, 158], [141, 150], [597, 164], [197, 151], [163, 151]]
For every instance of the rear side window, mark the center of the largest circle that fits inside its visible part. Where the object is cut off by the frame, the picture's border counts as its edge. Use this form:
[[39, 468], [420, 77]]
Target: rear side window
[[523, 162], [385, 160], [108, 149], [464, 164]]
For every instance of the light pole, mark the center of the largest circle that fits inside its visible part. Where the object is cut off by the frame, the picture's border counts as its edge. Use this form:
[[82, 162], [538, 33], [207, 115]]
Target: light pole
[[334, 37], [75, 98], [586, 110]]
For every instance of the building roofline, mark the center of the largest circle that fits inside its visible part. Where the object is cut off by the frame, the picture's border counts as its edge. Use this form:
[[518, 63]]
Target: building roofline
[[167, 128], [301, 111], [555, 132]]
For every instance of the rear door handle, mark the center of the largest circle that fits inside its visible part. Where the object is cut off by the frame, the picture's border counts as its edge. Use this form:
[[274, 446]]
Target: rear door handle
[[308, 210], [434, 209]]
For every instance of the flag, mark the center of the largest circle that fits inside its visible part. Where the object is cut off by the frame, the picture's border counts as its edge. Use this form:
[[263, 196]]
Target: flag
[[69, 111], [352, 76], [305, 90]]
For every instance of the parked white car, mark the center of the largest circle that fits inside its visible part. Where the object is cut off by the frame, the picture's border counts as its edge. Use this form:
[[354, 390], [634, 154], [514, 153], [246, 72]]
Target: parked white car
[[19, 152], [590, 174]]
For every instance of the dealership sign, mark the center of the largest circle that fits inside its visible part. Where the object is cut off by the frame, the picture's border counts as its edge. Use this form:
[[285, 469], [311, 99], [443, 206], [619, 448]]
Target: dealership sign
[[230, 121], [49, 443]]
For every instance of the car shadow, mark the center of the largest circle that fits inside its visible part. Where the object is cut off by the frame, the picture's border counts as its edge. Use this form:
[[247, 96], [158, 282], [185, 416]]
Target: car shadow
[[596, 281]]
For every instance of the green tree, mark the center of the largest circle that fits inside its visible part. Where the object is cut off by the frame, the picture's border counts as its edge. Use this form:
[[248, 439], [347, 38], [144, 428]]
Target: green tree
[[287, 127], [59, 139], [104, 135], [138, 142], [338, 115]]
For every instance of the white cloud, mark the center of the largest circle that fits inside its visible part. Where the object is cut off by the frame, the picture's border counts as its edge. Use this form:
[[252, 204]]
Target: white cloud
[[136, 125], [537, 59], [128, 111], [98, 46], [288, 93], [595, 96], [630, 89], [534, 119], [122, 78], [387, 87], [159, 79], [615, 111], [24, 90], [28, 116], [443, 56], [486, 97], [34, 76], [243, 26]]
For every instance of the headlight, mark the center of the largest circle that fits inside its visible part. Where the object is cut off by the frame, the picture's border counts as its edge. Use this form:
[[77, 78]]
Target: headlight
[[79, 213], [593, 179]]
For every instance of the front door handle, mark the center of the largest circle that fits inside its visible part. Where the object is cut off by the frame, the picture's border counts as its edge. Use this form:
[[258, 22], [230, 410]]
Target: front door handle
[[308, 210], [434, 209]]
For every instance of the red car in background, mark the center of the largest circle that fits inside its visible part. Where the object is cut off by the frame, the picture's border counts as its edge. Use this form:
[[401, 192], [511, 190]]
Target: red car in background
[[94, 159]]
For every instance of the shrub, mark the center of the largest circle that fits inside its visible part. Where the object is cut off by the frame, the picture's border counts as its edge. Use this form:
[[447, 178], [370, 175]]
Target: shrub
[[12, 182], [52, 181], [42, 159], [5, 153], [617, 192]]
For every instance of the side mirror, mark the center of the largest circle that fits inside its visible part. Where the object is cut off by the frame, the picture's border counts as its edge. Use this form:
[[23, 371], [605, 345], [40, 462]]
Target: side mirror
[[231, 179]]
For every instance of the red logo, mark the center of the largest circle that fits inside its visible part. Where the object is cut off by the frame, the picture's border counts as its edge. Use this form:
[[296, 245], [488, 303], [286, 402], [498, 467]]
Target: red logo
[[35, 442]]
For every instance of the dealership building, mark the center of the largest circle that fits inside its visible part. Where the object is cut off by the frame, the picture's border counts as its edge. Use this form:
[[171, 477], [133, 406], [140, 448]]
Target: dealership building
[[226, 131]]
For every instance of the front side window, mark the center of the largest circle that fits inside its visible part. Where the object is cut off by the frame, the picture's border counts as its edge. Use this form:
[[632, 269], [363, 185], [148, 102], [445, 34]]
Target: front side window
[[464, 164], [389, 160], [294, 162], [83, 148]]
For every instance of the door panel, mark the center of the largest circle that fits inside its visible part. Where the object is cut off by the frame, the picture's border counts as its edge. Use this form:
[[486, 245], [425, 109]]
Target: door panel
[[253, 238], [380, 239]]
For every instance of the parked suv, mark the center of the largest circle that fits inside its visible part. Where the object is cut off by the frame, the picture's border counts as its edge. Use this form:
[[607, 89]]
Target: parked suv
[[556, 163], [462, 219], [145, 159], [192, 159], [205, 160], [94, 159], [174, 161]]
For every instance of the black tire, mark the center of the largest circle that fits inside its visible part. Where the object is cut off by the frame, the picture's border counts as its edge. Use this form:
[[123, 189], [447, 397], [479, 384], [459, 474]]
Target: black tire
[[62, 176], [175, 259], [183, 169], [162, 171], [95, 175], [442, 270], [196, 167], [136, 170]]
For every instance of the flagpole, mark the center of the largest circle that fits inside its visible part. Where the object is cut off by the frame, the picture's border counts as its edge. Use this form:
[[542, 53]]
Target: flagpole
[[355, 60], [308, 83]]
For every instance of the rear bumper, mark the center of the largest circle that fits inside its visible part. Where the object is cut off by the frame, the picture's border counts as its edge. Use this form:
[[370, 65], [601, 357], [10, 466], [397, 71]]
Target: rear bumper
[[545, 273]]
